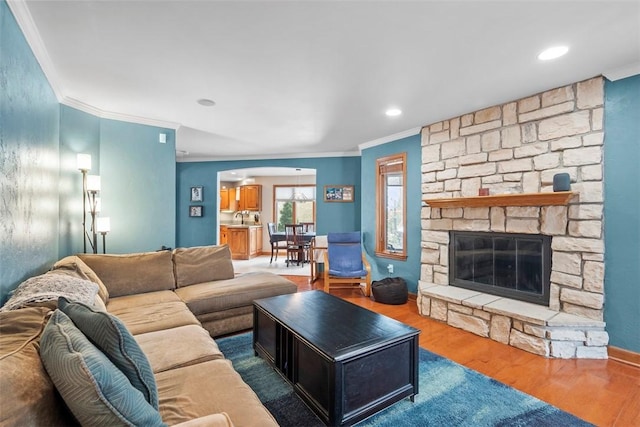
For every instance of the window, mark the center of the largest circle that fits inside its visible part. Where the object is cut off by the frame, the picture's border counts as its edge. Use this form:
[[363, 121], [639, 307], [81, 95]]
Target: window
[[390, 206], [294, 204]]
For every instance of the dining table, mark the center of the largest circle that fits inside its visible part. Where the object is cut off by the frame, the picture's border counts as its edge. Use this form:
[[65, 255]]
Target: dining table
[[280, 236]]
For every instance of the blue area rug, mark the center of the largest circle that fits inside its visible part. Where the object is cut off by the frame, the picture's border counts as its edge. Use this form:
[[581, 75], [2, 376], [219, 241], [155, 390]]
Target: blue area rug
[[449, 395]]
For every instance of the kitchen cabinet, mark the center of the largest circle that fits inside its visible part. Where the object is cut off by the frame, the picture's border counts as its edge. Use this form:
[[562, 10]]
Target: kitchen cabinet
[[250, 198], [244, 241], [255, 236], [224, 239], [225, 194]]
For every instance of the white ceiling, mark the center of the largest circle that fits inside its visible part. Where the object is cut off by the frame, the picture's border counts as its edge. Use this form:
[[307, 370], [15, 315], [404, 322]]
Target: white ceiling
[[312, 78]]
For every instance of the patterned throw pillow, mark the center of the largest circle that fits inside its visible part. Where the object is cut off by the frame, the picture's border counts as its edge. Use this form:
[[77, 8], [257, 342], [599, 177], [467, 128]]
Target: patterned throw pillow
[[109, 334], [93, 388], [49, 287]]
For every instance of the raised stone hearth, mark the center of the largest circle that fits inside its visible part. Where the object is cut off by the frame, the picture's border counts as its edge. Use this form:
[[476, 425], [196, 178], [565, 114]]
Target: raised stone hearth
[[511, 149], [520, 324]]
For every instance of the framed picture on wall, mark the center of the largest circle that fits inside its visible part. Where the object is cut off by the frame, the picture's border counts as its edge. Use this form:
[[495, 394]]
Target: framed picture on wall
[[338, 193], [196, 211], [196, 194]]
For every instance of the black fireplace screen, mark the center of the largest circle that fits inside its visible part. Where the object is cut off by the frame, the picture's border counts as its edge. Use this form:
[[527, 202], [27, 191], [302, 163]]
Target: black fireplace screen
[[516, 266]]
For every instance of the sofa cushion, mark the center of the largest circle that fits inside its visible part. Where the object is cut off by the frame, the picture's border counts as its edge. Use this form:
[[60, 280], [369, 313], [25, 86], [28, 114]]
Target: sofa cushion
[[133, 273], [73, 265], [148, 298], [227, 321], [149, 318], [209, 388], [93, 388], [213, 420], [48, 287], [202, 264], [177, 347], [237, 292], [111, 337], [27, 394]]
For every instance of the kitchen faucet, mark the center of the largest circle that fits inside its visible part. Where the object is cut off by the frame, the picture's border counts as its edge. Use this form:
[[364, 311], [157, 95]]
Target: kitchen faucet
[[242, 214]]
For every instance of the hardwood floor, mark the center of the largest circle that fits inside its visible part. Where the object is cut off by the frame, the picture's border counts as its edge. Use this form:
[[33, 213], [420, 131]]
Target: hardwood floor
[[603, 392]]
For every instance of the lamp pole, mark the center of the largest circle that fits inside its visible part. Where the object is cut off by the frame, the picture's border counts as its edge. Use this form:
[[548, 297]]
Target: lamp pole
[[83, 163], [84, 209], [93, 222]]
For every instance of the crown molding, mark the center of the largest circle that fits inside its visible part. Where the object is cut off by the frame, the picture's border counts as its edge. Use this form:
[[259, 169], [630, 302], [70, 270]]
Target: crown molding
[[25, 21], [190, 158], [79, 105], [623, 72], [390, 138]]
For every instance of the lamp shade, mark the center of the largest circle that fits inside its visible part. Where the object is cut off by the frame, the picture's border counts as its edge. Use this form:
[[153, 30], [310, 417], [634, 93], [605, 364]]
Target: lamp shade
[[103, 224], [83, 161], [93, 183]]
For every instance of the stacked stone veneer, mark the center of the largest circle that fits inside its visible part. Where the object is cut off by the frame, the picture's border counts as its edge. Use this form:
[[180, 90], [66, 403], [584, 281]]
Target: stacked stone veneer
[[518, 147]]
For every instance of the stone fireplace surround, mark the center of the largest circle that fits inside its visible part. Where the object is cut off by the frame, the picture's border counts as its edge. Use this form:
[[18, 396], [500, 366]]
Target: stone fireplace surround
[[516, 148]]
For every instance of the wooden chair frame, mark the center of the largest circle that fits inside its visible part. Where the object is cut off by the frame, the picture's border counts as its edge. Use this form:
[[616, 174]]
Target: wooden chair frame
[[360, 281]]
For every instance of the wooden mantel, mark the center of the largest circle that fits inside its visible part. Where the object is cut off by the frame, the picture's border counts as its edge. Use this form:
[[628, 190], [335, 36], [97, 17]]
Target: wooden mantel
[[523, 199]]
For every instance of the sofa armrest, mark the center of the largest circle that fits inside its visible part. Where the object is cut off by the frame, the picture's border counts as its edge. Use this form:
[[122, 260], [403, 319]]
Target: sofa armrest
[[212, 420]]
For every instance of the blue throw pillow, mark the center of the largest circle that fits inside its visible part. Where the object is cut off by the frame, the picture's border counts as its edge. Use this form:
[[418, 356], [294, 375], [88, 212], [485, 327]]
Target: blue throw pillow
[[109, 334], [93, 388]]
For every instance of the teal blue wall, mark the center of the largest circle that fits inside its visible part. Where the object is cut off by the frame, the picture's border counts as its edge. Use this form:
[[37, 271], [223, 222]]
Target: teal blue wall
[[79, 133], [29, 161], [409, 269], [40, 186], [329, 216], [138, 194], [622, 212], [138, 176]]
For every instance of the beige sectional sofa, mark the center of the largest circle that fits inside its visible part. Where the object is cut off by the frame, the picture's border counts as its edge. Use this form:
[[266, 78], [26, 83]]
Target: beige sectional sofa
[[171, 303]]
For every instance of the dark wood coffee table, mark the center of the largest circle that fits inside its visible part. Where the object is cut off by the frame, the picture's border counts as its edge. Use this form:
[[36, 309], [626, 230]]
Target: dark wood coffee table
[[344, 361]]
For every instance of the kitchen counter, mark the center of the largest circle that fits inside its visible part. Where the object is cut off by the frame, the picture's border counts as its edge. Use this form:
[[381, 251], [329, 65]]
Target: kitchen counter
[[244, 240]]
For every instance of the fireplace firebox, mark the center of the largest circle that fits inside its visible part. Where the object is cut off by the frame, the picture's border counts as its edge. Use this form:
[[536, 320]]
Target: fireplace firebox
[[511, 265]]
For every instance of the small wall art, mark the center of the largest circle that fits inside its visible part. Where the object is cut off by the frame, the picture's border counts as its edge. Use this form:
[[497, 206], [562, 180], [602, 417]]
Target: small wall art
[[196, 211], [338, 193], [196, 194]]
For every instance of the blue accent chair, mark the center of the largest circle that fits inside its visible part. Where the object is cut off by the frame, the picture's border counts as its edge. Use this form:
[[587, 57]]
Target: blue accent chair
[[345, 262]]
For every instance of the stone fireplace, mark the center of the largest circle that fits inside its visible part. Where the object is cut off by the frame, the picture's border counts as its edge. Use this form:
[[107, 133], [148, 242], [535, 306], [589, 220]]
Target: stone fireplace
[[504, 264], [514, 150]]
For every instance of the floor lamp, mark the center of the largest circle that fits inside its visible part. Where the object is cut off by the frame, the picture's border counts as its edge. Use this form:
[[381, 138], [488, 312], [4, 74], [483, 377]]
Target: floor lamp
[[90, 190]]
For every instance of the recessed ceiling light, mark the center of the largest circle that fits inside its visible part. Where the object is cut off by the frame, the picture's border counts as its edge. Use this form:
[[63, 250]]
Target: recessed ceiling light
[[392, 112], [553, 53], [206, 102]]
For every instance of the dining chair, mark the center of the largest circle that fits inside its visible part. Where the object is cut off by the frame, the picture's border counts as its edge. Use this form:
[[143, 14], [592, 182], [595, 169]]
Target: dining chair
[[296, 244], [276, 242], [345, 262], [308, 227]]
